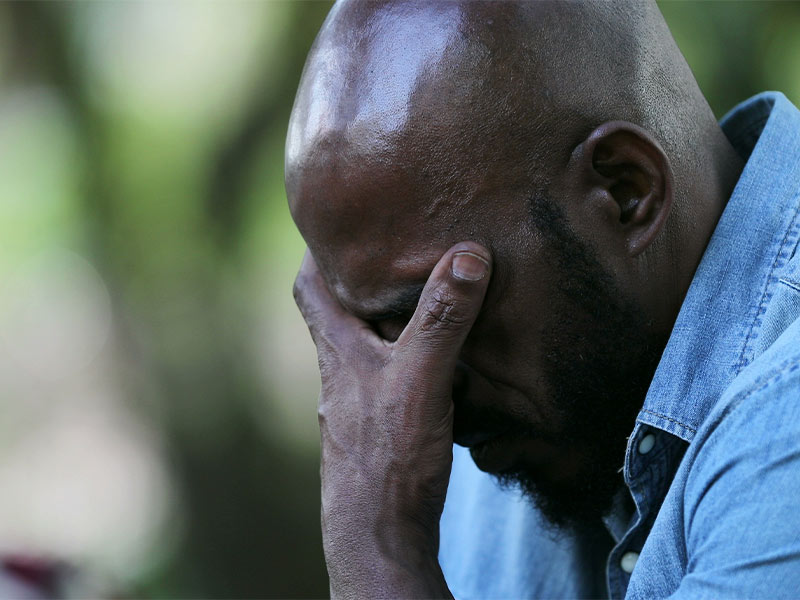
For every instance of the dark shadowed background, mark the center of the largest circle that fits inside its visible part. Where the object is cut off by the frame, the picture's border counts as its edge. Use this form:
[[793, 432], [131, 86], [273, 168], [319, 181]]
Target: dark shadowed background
[[157, 386]]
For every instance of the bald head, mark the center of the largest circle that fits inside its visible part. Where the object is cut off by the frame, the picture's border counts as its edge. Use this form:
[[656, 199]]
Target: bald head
[[502, 81], [470, 104], [567, 138]]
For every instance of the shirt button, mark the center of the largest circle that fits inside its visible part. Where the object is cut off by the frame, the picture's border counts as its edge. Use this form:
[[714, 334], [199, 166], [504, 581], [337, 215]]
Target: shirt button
[[647, 443], [629, 561]]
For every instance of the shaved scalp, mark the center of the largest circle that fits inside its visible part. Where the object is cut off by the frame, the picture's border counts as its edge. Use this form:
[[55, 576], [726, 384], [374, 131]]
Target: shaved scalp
[[498, 82], [568, 139]]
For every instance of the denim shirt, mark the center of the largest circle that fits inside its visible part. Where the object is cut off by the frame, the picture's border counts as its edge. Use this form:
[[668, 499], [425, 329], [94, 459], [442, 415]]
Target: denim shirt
[[713, 462]]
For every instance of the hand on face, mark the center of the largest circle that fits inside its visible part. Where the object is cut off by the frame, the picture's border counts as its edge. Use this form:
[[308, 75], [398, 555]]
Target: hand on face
[[386, 422]]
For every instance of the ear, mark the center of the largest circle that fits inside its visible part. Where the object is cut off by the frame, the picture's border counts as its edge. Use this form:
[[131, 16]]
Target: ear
[[630, 176]]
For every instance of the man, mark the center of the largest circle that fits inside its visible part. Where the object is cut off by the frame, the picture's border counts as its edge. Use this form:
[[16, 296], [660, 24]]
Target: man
[[528, 235]]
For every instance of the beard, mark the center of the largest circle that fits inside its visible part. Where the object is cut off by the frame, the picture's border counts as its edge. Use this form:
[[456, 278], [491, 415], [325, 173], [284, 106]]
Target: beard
[[598, 363]]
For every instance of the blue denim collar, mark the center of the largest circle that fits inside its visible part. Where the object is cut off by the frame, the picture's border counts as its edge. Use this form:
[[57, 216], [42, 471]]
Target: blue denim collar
[[714, 334]]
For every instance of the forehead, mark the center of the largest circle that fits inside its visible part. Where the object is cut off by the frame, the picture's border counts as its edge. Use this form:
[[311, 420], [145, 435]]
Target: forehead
[[377, 224]]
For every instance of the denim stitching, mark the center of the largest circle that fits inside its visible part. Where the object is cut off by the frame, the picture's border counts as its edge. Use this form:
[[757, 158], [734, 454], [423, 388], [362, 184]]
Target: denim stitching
[[789, 283], [655, 414], [787, 367], [767, 295]]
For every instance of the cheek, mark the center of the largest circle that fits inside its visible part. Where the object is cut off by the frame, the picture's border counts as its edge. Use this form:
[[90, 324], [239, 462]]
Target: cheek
[[507, 339]]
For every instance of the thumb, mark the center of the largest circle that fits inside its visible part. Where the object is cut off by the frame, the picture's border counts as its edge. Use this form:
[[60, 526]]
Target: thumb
[[450, 302]]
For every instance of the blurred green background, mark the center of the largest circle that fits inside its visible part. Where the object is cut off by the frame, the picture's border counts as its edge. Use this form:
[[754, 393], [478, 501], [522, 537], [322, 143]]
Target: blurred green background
[[157, 386]]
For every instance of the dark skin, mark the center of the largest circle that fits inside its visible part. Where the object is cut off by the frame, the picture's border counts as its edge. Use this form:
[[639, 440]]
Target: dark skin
[[389, 184]]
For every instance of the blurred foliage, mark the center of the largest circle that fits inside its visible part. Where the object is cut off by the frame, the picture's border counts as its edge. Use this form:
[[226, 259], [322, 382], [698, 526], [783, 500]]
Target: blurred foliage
[[737, 49], [148, 139]]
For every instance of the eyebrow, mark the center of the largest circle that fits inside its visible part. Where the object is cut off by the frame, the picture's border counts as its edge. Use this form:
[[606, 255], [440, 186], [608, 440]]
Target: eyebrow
[[402, 303]]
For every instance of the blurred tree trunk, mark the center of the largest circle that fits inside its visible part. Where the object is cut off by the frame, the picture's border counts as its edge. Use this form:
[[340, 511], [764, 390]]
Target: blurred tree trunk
[[267, 117], [251, 506]]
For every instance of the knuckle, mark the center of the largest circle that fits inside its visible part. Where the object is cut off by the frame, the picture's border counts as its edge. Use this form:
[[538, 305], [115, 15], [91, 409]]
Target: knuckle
[[442, 311], [323, 414], [305, 303], [298, 291]]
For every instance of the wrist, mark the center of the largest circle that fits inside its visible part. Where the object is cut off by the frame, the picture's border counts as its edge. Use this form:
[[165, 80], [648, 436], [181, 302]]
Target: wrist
[[370, 554], [381, 576]]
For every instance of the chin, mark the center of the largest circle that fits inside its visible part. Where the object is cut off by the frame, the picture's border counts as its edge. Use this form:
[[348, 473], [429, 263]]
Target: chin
[[575, 504], [571, 482]]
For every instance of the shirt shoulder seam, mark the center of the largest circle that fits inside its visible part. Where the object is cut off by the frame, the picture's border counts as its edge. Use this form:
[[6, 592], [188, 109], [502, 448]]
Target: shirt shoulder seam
[[766, 294]]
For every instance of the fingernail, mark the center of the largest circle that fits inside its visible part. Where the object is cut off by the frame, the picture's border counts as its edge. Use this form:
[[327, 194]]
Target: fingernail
[[469, 266]]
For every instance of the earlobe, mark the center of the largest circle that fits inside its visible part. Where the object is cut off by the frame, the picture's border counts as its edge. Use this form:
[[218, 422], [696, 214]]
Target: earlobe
[[632, 177]]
